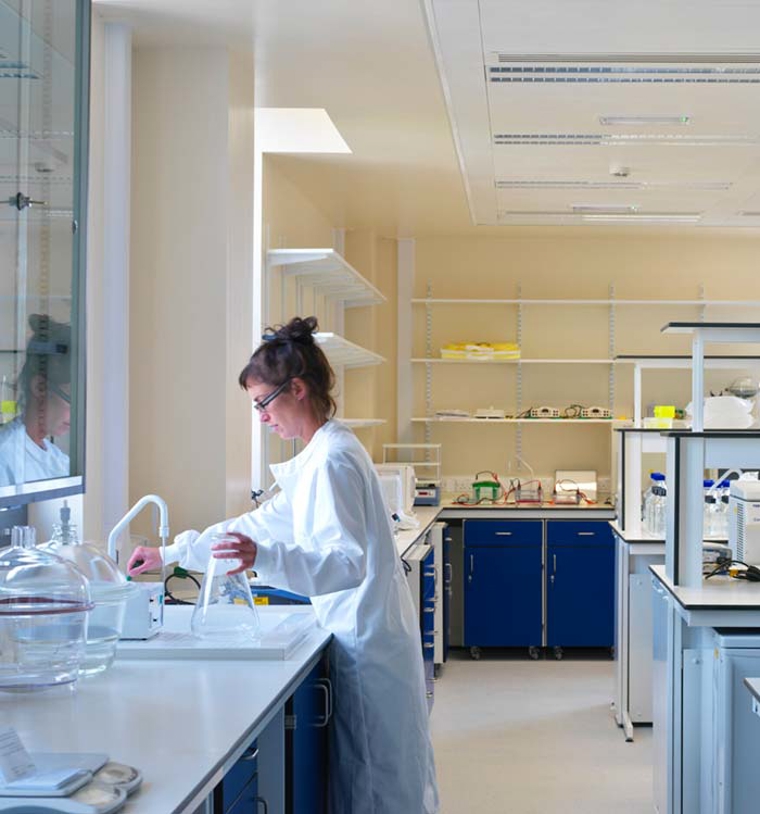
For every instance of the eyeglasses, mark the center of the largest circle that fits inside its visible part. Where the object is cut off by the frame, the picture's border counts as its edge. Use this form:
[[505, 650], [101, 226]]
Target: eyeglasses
[[262, 405], [58, 392]]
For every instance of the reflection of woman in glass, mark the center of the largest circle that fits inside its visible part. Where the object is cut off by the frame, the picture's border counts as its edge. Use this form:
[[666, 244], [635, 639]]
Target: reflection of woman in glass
[[26, 453]]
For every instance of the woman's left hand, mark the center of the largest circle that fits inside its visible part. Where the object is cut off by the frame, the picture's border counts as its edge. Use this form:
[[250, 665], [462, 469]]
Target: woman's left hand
[[236, 546]]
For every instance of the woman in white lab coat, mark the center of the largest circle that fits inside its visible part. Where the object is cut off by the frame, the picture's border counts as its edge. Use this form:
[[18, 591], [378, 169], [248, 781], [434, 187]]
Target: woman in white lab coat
[[326, 534]]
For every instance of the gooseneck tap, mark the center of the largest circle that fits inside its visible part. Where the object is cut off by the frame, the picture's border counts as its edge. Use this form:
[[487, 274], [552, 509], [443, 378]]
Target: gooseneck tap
[[163, 519]]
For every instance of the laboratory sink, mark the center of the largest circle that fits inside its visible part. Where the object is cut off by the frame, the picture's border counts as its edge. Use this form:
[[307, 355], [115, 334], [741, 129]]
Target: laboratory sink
[[283, 628]]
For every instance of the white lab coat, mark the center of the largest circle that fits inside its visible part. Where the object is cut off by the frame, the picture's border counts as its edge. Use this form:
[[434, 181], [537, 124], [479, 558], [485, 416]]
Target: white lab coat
[[327, 535]]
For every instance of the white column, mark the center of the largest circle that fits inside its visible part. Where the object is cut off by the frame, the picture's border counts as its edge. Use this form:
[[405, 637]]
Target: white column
[[404, 379], [107, 475]]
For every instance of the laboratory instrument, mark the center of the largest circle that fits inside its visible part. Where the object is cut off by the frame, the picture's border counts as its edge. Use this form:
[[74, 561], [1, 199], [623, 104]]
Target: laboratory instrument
[[744, 521], [44, 605], [70, 783], [144, 611], [399, 484], [225, 606], [544, 412], [490, 413], [486, 488], [109, 590]]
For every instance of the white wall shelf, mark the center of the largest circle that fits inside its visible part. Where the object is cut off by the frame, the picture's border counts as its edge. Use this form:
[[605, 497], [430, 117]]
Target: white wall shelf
[[340, 351], [556, 421], [328, 273], [358, 423], [435, 361], [605, 302]]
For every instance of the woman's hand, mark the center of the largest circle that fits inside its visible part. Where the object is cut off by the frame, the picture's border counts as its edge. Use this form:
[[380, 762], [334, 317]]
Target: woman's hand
[[236, 546], [144, 558]]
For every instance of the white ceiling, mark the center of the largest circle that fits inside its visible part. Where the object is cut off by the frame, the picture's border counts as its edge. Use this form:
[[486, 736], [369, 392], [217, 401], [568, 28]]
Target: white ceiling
[[407, 84]]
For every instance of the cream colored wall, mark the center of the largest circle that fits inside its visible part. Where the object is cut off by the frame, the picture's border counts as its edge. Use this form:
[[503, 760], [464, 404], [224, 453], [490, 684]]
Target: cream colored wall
[[293, 220], [651, 268], [190, 281]]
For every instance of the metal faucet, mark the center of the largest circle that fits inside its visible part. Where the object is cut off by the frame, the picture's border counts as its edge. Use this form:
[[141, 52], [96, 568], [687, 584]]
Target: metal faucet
[[163, 529]]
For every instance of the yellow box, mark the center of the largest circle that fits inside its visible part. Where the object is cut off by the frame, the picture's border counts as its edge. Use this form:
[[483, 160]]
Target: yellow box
[[664, 411]]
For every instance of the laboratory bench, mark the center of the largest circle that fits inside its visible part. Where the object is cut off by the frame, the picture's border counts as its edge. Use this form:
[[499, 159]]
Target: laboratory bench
[[184, 724], [706, 641], [530, 576]]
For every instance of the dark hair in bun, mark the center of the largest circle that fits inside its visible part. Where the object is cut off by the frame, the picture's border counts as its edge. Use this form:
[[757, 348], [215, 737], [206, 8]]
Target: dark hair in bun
[[288, 352]]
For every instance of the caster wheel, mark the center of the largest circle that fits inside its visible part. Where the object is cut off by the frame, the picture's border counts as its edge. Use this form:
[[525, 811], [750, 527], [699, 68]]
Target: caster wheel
[[558, 653], [612, 653], [534, 653], [475, 653]]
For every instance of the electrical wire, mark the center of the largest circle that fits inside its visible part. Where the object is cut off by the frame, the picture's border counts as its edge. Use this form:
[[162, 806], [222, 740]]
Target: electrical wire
[[170, 596]]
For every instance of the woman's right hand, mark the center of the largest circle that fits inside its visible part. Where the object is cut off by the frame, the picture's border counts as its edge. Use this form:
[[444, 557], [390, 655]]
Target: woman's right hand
[[144, 558]]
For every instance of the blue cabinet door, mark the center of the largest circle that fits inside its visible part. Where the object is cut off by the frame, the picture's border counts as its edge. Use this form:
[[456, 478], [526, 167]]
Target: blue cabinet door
[[580, 595], [306, 747], [238, 790], [502, 595]]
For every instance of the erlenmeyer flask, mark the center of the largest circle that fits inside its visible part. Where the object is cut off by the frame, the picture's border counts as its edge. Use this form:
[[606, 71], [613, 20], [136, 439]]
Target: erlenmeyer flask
[[225, 608]]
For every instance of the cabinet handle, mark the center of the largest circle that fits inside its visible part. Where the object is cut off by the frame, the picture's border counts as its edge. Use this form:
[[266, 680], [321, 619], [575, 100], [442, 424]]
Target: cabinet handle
[[325, 685], [554, 556], [263, 803], [503, 533], [248, 756], [429, 610], [447, 571], [587, 534], [472, 567], [428, 646]]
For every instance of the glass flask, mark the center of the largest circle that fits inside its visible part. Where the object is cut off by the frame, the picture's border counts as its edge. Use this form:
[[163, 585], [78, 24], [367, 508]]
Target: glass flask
[[109, 591], [225, 609], [44, 605]]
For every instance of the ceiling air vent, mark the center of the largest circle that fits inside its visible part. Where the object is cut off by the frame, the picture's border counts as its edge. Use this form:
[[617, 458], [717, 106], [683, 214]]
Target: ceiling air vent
[[702, 69]]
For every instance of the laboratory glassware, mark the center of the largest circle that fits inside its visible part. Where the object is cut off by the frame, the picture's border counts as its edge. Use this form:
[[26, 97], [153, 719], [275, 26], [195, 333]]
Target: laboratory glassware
[[225, 607], [44, 605], [109, 591]]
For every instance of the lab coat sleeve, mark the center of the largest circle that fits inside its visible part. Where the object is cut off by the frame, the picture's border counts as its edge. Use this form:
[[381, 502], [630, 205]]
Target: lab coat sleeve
[[332, 557], [192, 549]]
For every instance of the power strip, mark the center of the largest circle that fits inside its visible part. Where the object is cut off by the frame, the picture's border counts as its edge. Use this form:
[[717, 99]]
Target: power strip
[[595, 412], [544, 412]]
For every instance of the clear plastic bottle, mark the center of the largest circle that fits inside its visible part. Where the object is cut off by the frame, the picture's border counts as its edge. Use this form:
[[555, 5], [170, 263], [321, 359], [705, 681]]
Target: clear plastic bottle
[[707, 507], [722, 513], [654, 518]]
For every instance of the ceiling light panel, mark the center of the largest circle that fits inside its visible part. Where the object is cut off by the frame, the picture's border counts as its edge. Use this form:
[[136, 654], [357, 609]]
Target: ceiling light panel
[[645, 27], [645, 121], [549, 184], [614, 139]]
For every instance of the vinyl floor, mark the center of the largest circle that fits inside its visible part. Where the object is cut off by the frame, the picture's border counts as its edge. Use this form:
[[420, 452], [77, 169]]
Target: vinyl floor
[[516, 736]]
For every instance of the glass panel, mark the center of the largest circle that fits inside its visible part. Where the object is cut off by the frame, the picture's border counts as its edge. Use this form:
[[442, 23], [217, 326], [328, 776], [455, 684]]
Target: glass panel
[[40, 238]]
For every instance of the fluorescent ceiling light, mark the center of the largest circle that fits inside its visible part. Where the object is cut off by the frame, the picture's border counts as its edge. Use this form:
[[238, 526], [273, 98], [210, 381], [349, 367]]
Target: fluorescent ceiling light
[[534, 183], [296, 130], [643, 218], [617, 209], [624, 121], [616, 139]]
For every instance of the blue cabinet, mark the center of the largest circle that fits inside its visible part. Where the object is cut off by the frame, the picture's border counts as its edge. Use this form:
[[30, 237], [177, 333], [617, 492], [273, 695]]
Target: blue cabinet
[[427, 623], [502, 590], [238, 791], [307, 713], [580, 596]]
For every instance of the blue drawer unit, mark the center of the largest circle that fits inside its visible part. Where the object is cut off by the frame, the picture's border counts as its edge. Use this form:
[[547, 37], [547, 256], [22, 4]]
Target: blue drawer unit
[[502, 590], [238, 791], [580, 584], [427, 608]]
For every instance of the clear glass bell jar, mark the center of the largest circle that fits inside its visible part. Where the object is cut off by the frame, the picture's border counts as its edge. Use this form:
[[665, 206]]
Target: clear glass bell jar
[[44, 55]]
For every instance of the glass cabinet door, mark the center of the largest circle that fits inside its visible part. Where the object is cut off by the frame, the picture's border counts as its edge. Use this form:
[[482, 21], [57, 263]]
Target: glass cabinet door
[[44, 47]]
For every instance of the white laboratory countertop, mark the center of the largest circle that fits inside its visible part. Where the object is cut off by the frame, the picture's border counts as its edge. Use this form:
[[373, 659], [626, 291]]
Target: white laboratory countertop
[[635, 534], [182, 723], [718, 602], [426, 515]]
